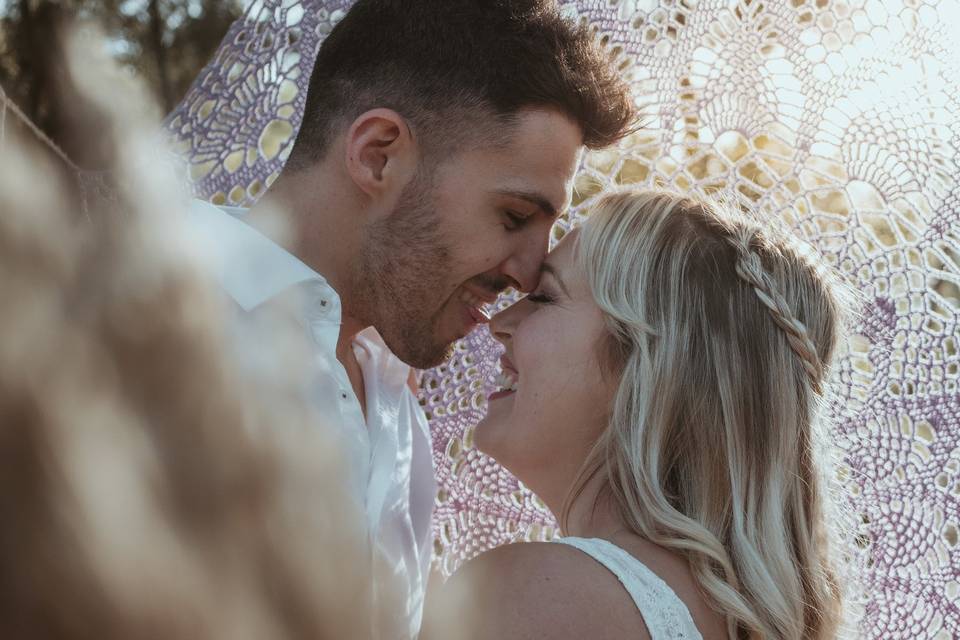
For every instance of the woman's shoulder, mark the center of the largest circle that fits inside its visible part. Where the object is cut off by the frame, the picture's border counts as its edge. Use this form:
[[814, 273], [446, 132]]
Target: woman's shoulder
[[537, 559], [536, 589]]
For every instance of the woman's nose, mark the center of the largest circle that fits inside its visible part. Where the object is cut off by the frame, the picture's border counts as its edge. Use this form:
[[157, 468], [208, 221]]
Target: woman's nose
[[504, 323]]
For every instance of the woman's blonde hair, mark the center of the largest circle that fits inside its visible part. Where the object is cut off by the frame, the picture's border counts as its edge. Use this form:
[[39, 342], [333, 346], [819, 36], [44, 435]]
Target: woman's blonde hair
[[722, 336]]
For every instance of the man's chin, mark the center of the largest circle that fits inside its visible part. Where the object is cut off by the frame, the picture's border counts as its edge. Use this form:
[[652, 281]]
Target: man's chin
[[420, 355], [431, 359]]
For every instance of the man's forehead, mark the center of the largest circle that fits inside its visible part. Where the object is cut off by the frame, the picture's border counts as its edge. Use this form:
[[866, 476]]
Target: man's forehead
[[543, 155]]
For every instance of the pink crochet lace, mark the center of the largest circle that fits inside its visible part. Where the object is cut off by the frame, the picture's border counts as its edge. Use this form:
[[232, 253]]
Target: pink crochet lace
[[841, 118]]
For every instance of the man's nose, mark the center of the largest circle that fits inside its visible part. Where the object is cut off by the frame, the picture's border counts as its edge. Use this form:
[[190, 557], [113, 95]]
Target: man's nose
[[522, 267]]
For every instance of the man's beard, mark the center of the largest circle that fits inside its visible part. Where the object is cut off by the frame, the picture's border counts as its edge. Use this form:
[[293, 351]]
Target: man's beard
[[401, 276]]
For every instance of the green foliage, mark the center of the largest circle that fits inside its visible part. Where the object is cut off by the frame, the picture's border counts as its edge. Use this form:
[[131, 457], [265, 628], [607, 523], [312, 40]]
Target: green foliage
[[166, 42]]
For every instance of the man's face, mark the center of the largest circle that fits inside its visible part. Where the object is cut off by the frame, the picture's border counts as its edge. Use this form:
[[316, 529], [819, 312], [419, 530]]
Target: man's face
[[479, 224]]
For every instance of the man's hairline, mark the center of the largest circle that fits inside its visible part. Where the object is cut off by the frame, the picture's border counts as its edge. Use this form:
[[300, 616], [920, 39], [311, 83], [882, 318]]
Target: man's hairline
[[506, 121]]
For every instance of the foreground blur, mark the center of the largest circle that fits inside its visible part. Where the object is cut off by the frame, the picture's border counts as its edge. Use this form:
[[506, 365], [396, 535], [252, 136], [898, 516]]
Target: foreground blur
[[147, 488]]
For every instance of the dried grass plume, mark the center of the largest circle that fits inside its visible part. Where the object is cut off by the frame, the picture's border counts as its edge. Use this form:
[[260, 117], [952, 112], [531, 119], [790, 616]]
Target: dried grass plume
[[148, 489]]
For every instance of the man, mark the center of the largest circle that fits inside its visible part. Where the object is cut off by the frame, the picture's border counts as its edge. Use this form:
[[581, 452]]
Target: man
[[438, 145]]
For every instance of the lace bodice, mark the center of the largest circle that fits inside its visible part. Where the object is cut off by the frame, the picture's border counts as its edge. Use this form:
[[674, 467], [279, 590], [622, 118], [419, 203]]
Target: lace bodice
[[665, 615]]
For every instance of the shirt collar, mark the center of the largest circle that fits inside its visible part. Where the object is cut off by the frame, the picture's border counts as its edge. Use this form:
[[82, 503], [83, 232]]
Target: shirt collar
[[250, 267]]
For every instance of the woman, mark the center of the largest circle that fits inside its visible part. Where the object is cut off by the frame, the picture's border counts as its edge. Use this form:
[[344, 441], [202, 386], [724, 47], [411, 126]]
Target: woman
[[662, 388]]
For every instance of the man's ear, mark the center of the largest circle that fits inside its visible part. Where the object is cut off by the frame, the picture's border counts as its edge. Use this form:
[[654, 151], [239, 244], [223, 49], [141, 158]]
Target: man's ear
[[381, 154]]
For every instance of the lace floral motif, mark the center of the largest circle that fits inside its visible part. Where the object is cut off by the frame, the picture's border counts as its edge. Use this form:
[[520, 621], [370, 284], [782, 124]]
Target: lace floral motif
[[664, 613]]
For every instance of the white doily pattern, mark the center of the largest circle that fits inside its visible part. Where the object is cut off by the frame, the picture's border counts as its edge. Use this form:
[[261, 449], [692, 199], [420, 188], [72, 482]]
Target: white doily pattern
[[840, 118]]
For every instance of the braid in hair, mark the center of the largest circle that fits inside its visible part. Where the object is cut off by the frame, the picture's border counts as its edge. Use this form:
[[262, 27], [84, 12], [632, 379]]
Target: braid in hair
[[750, 269]]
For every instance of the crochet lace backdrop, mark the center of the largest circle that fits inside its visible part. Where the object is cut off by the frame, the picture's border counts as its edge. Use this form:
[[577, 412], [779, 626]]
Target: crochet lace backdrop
[[839, 118]]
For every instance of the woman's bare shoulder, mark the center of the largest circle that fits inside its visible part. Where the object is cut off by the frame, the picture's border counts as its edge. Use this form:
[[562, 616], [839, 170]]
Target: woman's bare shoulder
[[532, 590]]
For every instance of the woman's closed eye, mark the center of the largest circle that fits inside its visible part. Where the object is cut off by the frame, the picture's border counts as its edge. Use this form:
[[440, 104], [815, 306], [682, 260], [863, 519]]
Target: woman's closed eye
[[541, 297]]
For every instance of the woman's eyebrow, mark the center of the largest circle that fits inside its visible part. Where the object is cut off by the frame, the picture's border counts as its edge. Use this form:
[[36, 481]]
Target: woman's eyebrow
[[546, 267]]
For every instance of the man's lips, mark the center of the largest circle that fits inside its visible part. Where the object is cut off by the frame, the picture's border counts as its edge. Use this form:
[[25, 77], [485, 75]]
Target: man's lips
[[481, 296], [477, 315], [474, 302]]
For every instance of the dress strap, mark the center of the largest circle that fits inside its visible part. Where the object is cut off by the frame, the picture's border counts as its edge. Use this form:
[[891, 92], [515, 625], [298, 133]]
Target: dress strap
[[665, 614]]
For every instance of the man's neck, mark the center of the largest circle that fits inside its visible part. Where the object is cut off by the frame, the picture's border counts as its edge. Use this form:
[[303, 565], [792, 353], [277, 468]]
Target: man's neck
[[311, 215]]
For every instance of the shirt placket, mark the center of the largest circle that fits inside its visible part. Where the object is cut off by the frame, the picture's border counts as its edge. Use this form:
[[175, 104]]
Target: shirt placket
[[322, 316]]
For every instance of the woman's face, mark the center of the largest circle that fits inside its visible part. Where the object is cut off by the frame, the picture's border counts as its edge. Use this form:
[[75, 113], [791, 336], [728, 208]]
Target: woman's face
[[543, 430]]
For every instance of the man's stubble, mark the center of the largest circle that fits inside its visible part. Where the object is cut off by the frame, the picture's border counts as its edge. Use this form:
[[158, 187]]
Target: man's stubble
[[400, 285]]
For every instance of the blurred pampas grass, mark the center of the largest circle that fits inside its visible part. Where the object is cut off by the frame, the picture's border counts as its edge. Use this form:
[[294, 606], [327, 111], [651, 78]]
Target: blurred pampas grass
[[148, 488]]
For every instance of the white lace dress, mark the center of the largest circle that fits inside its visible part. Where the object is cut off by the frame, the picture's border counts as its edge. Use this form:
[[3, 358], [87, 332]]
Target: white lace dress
[[665, 615]]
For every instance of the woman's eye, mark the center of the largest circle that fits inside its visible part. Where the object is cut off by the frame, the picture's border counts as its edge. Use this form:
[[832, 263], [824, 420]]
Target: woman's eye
[[514, 220], [540, 298]]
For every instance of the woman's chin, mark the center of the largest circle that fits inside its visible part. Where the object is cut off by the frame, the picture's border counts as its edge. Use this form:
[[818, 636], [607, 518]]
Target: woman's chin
[[481, 435], [488, 436]]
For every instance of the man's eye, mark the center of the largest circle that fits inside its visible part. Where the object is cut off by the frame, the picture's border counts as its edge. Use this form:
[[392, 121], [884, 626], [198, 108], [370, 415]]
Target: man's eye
[[514, 220]]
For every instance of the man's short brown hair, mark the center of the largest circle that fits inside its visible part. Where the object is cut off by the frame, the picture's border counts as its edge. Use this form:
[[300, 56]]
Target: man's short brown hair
[[457, 69]]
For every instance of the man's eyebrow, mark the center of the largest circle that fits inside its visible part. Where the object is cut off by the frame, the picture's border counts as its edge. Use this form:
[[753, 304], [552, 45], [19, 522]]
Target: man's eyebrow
[[532, 197], [546, 267]]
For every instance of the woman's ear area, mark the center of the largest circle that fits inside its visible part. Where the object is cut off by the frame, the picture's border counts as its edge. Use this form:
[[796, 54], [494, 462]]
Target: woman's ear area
[[380, 153]]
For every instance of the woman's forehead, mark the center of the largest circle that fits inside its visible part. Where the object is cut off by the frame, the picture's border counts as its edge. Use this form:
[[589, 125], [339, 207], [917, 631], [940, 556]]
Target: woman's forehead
[[561, 263], [565, 250]]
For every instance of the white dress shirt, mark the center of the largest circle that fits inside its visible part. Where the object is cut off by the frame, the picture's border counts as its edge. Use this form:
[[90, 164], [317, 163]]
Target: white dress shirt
[[390, 452]]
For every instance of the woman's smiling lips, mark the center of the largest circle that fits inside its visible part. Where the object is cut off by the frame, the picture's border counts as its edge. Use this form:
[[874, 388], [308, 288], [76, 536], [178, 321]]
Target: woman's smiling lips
[[506, 365], [508, 379]]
